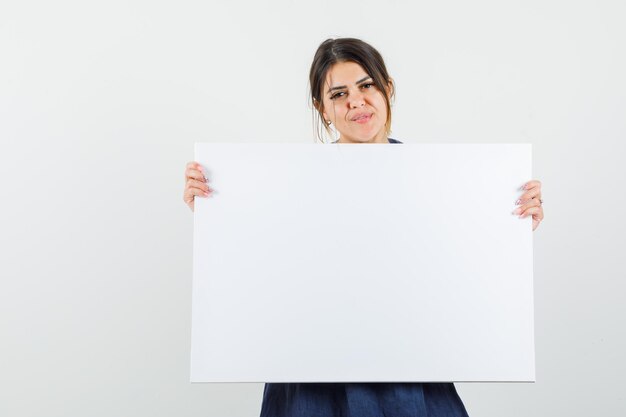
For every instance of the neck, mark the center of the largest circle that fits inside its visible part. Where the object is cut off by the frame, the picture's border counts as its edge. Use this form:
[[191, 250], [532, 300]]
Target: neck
[[381, 137]]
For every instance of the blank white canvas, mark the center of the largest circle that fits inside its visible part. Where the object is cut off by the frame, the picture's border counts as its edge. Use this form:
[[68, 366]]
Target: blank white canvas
[[345, 263]]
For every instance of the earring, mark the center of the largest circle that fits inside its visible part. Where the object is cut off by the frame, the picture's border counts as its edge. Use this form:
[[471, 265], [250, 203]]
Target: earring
[[328, 122]]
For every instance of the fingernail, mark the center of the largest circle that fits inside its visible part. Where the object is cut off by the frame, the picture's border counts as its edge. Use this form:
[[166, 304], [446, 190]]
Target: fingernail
[[517, 211], [518, 202]]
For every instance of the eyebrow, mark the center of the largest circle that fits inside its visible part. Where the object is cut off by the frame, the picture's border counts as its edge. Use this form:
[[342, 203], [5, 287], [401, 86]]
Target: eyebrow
[[343, 86]]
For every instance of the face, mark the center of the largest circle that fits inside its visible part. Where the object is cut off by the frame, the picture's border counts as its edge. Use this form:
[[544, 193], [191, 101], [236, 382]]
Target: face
[[354, 104]]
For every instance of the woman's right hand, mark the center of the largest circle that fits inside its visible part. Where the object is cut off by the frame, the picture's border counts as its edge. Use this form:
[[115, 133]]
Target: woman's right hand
[[195, 183]]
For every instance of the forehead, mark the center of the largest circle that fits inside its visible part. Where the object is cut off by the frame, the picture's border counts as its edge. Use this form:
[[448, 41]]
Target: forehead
[[344, 73]]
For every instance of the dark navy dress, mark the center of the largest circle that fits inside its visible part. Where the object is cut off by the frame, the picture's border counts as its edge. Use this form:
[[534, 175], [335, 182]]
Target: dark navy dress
[[362, 399]]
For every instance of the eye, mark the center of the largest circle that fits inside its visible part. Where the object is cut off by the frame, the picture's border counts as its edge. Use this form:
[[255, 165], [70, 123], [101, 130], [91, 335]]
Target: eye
[[367, 85], [334, 96]]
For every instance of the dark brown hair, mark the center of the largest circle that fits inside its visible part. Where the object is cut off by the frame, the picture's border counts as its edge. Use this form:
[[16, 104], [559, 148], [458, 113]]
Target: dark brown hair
[[332, 51]]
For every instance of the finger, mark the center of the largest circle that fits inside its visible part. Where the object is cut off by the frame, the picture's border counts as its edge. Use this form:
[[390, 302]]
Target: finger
[[535, 223], [526, 197], [531, 184], [532, 193], [200, 168], [194, 165], [198, 191], [533, 202], [198, 184], [537, 218], [196, 174], [534, 211], [191, 192], [532, 189]]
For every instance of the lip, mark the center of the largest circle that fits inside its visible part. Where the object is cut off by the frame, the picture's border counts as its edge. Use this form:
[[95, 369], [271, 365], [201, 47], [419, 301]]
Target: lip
[[368, 117]]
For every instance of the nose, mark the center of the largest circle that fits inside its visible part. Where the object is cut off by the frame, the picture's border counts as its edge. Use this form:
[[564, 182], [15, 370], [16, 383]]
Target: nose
[[357, 100]]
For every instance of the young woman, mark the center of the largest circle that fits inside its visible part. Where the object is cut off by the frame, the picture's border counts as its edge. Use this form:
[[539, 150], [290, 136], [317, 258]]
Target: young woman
[[351, 89]]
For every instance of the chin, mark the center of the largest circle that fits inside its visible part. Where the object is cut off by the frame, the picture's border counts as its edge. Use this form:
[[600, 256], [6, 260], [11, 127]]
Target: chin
[[368, 138], [361, 137]]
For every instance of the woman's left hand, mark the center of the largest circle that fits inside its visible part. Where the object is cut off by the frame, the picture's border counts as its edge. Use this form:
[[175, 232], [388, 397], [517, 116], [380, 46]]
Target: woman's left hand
[[530, 203]]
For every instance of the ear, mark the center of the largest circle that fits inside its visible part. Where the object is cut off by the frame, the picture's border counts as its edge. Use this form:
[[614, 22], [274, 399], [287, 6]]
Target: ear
[[391, 87], [317, 105]]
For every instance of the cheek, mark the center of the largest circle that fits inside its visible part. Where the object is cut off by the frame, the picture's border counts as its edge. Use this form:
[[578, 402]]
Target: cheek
[[382, 108], [329, 110], [383, 111], [335, 112], [378, 101]]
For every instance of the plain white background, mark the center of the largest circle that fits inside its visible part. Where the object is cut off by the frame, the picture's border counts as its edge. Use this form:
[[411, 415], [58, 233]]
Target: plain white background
[[100, 104]]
